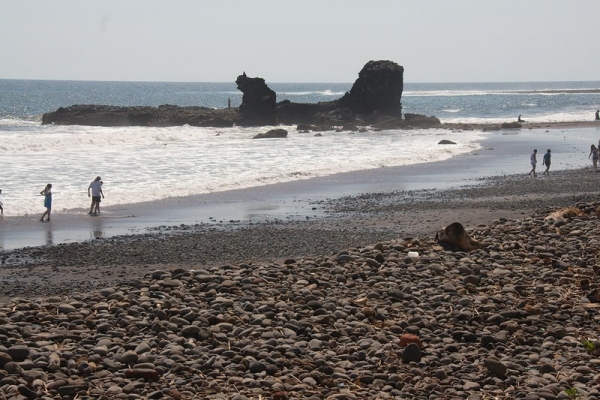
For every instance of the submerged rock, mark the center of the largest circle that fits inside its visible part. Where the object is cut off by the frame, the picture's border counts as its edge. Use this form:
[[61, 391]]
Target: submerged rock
[[273, 133]]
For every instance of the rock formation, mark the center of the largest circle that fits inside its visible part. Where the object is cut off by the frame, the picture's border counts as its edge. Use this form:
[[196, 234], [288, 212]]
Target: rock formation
[[258, 102], [374, 99], [378, 90]]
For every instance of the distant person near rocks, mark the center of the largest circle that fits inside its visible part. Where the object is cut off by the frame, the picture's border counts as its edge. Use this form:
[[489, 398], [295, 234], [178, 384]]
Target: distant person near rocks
[[533, 160], [546, 162], [519, 119], [96, 188], [47, 193], [597, 115]]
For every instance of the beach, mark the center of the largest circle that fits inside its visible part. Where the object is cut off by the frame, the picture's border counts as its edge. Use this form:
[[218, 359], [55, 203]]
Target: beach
[[325, 288]]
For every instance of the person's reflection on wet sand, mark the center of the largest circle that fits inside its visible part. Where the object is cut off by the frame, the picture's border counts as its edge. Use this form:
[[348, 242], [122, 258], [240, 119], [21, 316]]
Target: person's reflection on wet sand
[[97, 229], [49, 237]]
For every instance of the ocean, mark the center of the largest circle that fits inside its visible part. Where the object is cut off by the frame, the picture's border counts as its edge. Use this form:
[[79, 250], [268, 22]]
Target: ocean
[[141, 164]]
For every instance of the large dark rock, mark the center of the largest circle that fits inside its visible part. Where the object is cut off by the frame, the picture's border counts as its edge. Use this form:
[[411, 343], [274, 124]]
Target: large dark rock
[[258, 102], [378, 90], [272, 134]]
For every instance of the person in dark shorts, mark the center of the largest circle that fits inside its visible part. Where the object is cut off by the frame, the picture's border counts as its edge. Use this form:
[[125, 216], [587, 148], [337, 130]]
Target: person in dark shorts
[[96, 193], [1, 209], [546, 162]]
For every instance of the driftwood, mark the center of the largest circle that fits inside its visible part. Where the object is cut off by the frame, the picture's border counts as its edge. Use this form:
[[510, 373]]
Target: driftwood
[[456, 236]]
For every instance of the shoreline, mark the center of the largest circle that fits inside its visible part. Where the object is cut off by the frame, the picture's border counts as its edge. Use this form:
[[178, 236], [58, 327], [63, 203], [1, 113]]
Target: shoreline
[[359, 220], [504, 152]]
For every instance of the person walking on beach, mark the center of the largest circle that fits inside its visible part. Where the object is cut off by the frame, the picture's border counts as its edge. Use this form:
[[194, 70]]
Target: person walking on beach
[[533, 160], [47, 193], [594, 156], [1, 209], [546, 162], [96, 189], [597, 115]]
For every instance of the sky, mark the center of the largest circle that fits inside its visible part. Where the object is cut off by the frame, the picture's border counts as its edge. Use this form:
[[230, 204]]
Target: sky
[[299, 41]]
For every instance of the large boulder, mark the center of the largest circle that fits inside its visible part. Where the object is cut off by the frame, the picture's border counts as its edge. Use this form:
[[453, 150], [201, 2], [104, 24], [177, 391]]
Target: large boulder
[[272, 134], [378, 90], [258, 102]]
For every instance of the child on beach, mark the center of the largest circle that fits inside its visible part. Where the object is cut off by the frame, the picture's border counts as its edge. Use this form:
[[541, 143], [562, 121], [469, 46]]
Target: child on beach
[[546, 162], [47, 193], [594, 155], [533, 160]]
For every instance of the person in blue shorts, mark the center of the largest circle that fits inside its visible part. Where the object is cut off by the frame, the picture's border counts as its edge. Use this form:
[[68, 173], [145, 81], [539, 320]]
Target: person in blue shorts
[[47, 193]]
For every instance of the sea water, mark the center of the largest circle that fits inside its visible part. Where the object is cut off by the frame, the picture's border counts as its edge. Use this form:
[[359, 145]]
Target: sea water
[[146, 163]]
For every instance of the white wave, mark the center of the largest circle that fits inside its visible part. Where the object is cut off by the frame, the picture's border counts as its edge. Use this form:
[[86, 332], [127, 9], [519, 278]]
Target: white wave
[[154, 163], [17, 122], [575, 116]]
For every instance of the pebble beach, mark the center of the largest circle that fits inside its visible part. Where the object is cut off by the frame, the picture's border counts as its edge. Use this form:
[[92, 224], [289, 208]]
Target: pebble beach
[[361, 304]]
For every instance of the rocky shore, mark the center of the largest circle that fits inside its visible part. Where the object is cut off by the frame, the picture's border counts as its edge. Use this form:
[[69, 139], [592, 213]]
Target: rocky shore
[[362, 304]]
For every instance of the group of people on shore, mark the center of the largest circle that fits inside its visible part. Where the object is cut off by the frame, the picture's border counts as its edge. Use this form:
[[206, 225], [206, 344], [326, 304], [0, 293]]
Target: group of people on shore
[[594, 155], [545, 161], [94, 191]]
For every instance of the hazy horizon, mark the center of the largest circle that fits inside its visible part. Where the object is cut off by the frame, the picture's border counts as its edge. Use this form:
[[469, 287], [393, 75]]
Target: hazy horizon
[[282, 41], [292, 82]]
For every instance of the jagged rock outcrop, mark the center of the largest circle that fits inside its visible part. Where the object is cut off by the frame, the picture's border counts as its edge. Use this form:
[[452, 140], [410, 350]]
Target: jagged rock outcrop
[[258, 102], [374, 99], [378, 90]]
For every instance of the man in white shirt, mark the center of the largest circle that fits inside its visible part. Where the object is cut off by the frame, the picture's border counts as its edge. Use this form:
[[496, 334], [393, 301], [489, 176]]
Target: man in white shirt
[[96, 194]]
